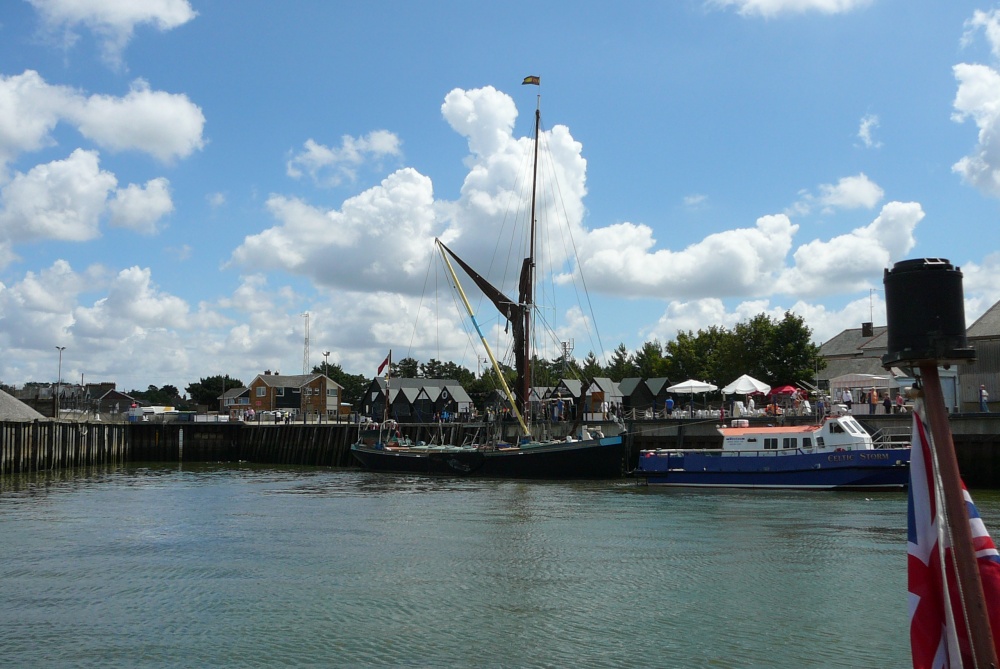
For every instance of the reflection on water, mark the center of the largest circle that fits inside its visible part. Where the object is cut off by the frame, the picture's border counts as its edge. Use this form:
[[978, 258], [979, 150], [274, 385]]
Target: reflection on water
[[257, 567]]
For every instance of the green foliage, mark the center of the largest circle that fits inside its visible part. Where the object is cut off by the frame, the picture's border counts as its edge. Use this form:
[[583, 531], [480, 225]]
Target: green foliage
[[354, 385], [207, 391], [649, 361], [407, 368], [592, 367], [166, 396], [622, 365]]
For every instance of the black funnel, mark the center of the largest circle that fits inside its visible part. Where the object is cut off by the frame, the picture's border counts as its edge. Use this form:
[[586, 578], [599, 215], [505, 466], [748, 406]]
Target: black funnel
[[925, 312]]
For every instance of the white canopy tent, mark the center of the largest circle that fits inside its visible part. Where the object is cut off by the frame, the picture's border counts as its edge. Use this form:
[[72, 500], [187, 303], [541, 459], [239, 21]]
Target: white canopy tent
[[690, 387], [745, 385]]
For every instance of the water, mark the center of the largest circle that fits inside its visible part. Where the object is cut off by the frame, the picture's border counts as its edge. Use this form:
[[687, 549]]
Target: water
[[262, 567]]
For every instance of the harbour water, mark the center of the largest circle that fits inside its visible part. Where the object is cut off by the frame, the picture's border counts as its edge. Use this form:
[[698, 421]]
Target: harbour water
[[214, 566]]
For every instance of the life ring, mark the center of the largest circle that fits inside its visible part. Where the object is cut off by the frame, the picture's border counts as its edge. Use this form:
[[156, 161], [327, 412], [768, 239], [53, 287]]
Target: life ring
[[444, 394]]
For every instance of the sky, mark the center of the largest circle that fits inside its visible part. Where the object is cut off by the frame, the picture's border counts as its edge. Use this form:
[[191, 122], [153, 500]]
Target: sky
[[182, 181]]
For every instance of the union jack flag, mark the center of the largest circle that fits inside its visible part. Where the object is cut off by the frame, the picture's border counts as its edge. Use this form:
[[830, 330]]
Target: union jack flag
[[939, 636]]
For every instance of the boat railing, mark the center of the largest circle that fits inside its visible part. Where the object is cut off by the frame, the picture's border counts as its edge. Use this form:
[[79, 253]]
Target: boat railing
[[892, 437], [731, 452]]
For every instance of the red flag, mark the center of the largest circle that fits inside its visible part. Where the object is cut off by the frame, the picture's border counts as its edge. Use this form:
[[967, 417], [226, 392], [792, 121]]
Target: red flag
[[939, 637], [384, 363]]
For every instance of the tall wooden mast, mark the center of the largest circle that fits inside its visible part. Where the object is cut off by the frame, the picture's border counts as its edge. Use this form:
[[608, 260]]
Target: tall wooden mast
[[529, 290]]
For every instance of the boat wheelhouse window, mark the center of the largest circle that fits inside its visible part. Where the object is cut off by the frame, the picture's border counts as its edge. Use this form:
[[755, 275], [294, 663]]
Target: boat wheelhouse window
[[819, 442], [807, 442], [853, 428], [789, 442], [770, 443], [836, 428]]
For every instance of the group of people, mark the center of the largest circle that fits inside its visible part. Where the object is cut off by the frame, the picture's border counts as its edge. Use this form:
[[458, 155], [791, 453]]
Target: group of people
[[873, 398]]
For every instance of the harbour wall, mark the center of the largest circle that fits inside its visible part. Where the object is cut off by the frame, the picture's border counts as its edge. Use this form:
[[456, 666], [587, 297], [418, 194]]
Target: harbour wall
[[40, 445], [46, 445]]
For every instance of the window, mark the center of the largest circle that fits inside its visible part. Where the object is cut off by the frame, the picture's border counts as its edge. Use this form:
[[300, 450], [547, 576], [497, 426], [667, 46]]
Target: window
[[280, 392], [771, 443], [789, 442], [261, 391], [807, 442]]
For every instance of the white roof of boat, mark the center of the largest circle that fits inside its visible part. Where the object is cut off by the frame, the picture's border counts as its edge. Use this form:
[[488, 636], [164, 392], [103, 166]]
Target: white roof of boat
[[770, 429]]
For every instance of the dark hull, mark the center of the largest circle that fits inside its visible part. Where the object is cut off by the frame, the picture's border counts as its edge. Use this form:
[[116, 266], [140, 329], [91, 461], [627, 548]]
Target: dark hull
[[883, 469], [596, 459]]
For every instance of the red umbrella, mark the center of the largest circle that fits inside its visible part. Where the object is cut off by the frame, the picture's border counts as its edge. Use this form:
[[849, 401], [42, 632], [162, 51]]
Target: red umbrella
[[784, 390]]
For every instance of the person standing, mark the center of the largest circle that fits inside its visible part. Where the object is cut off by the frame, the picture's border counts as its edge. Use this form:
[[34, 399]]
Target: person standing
[[899, 403], [872, 401], [847, 399], [984, 398], [887, 403]]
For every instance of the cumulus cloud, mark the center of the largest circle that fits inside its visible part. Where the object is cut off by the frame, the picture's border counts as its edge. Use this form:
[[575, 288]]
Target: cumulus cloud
[[332, 166], [133, 304], [164, 125], [380, 238], [774, 8], [63, 199], [978, 98], [113, 21], [139, 208], [848, 262], [621, 259], [29, 111], [853, 192]]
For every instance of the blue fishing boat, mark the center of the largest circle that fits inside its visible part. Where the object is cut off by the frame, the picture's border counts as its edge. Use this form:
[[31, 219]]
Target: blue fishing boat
[[835, 454]]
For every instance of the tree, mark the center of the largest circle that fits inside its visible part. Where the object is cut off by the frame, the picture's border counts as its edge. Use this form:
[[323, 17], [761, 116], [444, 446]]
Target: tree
[[795, 357], [622, 365], [405, 369], [207, 391], [354, 385], [165, 396], [649, 361], [592, 367]]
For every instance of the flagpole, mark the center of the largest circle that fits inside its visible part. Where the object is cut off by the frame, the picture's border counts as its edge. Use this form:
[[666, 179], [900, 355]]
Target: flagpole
[[971, 588]]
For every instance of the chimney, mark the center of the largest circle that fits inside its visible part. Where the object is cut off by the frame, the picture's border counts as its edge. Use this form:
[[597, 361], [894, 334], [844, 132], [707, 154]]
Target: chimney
[[867, 330]]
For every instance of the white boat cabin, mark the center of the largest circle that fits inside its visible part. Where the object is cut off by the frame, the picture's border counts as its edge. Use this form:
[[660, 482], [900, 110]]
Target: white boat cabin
[[840, 433]]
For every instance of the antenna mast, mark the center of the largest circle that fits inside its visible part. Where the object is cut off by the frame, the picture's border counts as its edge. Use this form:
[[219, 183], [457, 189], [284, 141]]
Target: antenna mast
[[305, 351]]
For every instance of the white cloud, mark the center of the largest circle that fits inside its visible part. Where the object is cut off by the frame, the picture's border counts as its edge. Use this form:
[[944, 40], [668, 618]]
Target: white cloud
[[29, 110], [869, 122], [695, 200], [216, 200], [621, 259], [63, 199], [851, 193], [989, 23], [848, 262], [978, 97], [140, 207], [132, 305], [332, 166], [164, 125], [773, 8], [380, 238], [112, 21]]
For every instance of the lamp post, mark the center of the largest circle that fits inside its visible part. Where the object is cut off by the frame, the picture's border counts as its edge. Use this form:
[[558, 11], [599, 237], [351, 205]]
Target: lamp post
[[59, 379], [326, 372]]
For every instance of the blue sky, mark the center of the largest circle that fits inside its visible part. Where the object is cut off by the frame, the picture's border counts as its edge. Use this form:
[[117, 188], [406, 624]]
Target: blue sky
[[180, 181]]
